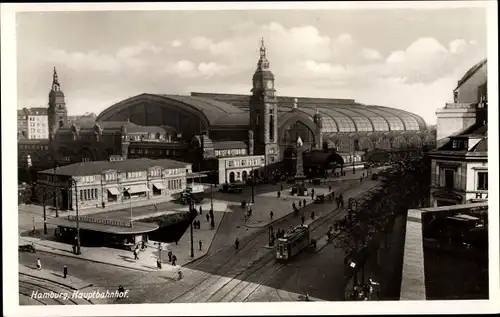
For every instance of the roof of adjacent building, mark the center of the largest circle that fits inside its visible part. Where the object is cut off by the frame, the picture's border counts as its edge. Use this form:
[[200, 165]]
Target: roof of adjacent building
[[468, 74], [137, 228], [33, 111], [98, 167], [338, 115], [115, 125], [229, 145], [482, 146]]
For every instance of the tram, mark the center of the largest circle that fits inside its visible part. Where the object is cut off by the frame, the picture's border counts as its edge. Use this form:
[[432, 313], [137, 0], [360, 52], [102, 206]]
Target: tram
[[294, 241]]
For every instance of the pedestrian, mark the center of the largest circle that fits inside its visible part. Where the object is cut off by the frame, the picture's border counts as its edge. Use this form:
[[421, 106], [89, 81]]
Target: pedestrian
[[38, 264], [312, 214], [174, 259], [361, 179], [293, 205], [279, 194], [329, 188], [103, 204], [271, 214], [208, 218], [312, 191], [74, 249], [304, 202], [179, 274], [65, 271], [312, 195], [158, 264], [201, 211], [237, 244], [300, 203], [200, 243], [136, 256], [169, 256], [302, 219]]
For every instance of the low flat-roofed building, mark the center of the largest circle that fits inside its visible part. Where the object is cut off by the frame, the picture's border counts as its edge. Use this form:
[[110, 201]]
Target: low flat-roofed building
[[112, 182], [451, 263]]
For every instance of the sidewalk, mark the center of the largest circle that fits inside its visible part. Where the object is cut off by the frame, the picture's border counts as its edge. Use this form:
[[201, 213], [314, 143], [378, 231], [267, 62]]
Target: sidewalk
[[282, 207], [147, 258], [53, 276]]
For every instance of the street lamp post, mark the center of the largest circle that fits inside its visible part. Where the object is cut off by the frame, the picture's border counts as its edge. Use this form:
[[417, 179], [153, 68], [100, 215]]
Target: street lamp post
[[253, 187], [44, 200], [211, 197], [191, 226], [55, 190], [73, 183]]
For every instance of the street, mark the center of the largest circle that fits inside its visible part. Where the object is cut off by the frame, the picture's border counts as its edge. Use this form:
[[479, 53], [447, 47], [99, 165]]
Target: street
[[250, 273]]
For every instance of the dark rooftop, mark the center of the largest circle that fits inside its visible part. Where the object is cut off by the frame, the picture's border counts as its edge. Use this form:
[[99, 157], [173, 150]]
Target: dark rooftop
[[229, 145], [471, 72], [137, 228], [130, 165]]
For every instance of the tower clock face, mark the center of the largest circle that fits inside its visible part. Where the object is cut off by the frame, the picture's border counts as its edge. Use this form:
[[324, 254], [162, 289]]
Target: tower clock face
[[269, 84]]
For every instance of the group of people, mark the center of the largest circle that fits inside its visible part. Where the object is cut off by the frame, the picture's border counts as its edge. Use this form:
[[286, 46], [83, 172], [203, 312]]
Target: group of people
[[340, 201], [196, 224]]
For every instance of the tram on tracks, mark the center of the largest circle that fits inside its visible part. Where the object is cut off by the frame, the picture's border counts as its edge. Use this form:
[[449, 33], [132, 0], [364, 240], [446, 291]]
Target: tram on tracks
[[294, 241]]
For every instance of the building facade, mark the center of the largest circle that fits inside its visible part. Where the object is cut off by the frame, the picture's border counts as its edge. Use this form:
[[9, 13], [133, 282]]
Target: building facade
[[460, 164], [259, 124], [32, 123], [113, 182], [469, 98]]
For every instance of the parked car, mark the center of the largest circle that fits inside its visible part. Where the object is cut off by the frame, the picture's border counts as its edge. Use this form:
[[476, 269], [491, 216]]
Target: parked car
[[27, 248], [232, 187]]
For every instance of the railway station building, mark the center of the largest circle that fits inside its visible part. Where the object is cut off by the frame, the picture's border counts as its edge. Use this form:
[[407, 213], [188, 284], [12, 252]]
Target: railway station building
[[209, 130]]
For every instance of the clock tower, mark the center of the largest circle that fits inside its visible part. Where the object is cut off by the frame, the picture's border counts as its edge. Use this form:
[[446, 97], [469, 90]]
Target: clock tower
[[57, 112], [264, 110]]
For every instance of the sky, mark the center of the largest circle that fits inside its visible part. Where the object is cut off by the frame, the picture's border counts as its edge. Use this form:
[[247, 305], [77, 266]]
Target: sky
[[408, 59]]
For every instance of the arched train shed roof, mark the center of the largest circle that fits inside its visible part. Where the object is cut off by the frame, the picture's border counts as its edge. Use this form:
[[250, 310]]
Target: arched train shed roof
[[338, 115]]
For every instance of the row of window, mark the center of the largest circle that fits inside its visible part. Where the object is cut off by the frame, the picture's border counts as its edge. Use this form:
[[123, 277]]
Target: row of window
[[136, 174], [245, 162], [33, 147], [167, 152], [155, 172], [232, 152], [448, 179], [88, 194], [174, 184], [38, 124], [87, 179]]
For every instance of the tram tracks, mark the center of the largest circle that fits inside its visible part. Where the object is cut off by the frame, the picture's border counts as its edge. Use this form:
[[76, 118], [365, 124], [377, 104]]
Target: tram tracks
[[239, 280]]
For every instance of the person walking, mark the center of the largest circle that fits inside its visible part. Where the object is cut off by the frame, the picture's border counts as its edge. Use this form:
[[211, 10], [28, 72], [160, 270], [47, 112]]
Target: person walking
[[300, 203], [293, 206], [38, 264], [158, 264], [179, 274], [136, 255], [279, 194], [329, 188], [200, 243], [169, 256], [208, 217], [174, 259], [271, 214], [65, 271], [201, 211], [237, 244], [304, 202]]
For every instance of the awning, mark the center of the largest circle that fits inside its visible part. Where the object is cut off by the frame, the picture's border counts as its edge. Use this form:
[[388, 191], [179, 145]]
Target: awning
[[133, 189], [159, 186], [113, 191]]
